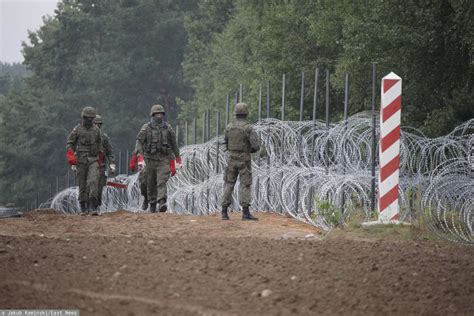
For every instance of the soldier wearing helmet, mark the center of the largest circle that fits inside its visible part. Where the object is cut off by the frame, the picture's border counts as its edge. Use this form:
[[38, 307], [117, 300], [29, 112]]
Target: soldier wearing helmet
[[241, 140], [106, 157], [83, 146], [156, 143]]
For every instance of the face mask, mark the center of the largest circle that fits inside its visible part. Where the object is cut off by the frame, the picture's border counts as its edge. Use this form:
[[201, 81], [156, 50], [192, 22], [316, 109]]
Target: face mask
[[158, 119], [88, 121]]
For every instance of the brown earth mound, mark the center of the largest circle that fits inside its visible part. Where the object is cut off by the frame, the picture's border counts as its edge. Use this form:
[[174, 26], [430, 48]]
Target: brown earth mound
[[138, 264]]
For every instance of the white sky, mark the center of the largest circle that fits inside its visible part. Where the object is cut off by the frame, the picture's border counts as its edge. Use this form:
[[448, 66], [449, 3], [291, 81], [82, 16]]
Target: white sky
[[16, 18]]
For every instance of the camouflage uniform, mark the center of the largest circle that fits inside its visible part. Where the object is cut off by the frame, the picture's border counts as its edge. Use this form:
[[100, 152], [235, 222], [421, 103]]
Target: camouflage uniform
[[157, 143], [86, 142], [142, 181], [107, 159], [241, 140]]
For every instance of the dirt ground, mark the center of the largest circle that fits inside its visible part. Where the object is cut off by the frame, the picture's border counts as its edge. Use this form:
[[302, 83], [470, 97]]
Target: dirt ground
[[140, 264]]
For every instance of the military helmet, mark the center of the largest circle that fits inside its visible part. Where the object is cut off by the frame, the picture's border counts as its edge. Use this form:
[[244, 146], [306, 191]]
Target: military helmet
[[97, 119], [157, 108], [241, 109], [88, 111]]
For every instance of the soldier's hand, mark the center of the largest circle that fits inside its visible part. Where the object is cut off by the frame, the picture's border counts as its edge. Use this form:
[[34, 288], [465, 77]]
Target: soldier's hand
[[179, 163], [73, 168], [141, 163], [112, 168]]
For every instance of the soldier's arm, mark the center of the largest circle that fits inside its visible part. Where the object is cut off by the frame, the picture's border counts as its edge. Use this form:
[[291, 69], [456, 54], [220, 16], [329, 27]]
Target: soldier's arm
[[174, 145], [254, 140], [135, 150], [140, 141], [108, 149], [226, 140], [72, 139]]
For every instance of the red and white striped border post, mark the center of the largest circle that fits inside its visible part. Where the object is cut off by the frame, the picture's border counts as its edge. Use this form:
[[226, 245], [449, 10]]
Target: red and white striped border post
[[389, 149]]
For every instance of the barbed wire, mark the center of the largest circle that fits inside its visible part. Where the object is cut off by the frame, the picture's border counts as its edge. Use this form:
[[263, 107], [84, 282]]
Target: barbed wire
[[321, 174]]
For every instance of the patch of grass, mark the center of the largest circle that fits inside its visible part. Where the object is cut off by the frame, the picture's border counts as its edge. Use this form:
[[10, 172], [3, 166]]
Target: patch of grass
[[328, 211], [417, 231]]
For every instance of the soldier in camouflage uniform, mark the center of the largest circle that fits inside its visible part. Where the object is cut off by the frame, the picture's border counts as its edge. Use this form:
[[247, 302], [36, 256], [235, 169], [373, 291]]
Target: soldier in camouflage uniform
[[156, 142], [106, 157], [241, 140], [83, 146]]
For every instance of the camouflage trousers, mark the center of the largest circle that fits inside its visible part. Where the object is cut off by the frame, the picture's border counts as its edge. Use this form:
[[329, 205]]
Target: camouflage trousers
[[243, 170], [157, 175], [88, 179], [142, 180], [102, 183]]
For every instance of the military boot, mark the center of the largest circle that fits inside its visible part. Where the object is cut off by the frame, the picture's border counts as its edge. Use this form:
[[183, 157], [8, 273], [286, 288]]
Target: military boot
[[246, 216], [93, 207], [153, 207], [225, 216], [84, 211], [145, 205], [162, 205]]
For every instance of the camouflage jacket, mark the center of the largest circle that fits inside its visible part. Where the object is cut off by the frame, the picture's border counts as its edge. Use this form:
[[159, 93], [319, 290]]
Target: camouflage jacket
[[241, 140], [85, 142], [157, 142]]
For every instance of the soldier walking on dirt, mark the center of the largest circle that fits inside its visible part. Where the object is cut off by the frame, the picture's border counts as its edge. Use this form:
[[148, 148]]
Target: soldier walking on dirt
[[241, 140], [156, 142], [134, 165], [83, 146], [106, 158]]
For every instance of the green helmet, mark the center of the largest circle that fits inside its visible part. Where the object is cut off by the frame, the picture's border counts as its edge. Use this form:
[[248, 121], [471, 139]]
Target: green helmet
[[88, 111], [241, 109], [157, 108], [97, 119]]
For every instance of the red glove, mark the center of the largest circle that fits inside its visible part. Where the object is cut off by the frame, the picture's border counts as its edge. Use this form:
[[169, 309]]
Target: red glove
[[101, 158], [133, 163], [172, 168], [71, 158], [141, 162], [179, 164]]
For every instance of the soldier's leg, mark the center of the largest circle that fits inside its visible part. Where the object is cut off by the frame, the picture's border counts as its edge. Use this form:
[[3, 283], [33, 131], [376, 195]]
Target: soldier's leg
[[230, 177], [151, 183], [245, 194], [162, 176], [93, 175], [143, 188], [102, 183], [81, 175]]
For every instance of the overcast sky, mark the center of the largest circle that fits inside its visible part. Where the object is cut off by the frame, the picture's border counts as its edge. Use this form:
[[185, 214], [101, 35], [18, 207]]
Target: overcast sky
[[16, 18]]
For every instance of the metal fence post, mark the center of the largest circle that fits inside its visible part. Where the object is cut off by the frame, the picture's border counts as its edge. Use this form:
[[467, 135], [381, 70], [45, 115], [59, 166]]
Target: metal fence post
[[283, 97], [374, 75], [127, 162], [302, 96], [204, 127], [327, 118], [217, 140], [195, 131], [315, 94], [186, 133], [268, 99], [227, 110], [260, 103]]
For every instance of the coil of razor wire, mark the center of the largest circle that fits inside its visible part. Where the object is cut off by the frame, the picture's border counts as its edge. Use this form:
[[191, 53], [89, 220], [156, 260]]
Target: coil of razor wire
[[321, 175]]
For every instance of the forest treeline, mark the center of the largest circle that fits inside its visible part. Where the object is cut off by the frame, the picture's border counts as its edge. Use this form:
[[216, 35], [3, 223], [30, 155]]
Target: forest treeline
[[123, 56]]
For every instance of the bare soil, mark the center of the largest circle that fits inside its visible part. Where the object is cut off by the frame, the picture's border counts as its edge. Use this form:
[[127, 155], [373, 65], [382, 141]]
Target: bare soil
[[143, 264]]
